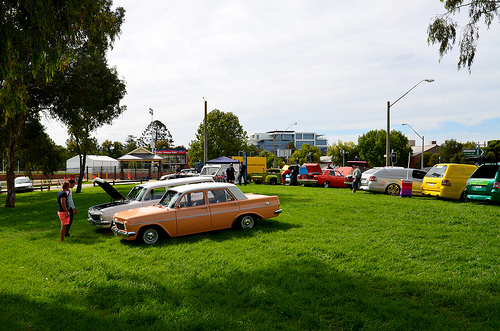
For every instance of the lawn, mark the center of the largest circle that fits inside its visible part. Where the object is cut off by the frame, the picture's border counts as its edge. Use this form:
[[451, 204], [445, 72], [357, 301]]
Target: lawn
[[332, 260]]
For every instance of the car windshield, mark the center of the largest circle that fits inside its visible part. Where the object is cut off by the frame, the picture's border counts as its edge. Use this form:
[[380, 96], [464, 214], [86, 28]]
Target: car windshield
[[136, 193], [169, 199], [22, 180], [437, 171], [209, 171]]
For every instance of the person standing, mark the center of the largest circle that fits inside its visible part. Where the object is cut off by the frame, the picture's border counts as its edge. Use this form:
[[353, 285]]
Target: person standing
[[71, 205], [62, 208], [242, 174], [230, 174], [356, 179]]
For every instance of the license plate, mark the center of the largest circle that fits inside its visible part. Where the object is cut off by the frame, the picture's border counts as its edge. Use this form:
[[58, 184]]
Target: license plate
[[478, 188], [431, 184]]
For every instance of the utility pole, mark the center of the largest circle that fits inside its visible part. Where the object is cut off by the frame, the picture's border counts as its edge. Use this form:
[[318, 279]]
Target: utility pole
[[205, 147]]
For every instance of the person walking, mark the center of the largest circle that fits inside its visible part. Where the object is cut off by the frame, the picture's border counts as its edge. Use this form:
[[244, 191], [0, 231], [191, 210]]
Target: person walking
[[62, 208], [356, 179], [71, 205], [242, 174]]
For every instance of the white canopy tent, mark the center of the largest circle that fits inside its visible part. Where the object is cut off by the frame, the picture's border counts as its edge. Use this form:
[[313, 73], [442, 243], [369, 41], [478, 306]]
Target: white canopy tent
[[94, 164]]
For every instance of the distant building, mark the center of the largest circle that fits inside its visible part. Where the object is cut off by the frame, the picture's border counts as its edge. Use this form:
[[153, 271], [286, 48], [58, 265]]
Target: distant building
[[416, 155], [267, 141]]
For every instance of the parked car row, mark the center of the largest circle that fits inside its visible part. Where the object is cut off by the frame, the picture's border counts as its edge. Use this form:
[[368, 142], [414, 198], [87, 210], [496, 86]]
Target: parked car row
[[446, 180]]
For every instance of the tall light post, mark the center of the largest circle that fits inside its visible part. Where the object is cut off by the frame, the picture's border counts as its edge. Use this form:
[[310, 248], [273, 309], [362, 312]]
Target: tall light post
[[153, 140], [421, 137], [274, 135], [389, 105]]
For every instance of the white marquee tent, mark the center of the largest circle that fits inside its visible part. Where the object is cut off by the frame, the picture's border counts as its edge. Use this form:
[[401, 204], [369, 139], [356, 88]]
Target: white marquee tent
[[94, 164]]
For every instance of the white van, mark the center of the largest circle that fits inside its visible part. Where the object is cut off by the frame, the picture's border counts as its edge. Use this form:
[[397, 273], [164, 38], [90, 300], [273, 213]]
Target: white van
[[388, 180]]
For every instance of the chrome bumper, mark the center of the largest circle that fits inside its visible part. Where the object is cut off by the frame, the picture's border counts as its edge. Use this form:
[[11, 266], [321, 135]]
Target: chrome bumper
[[122, 233], [99, 223], [279, 211]]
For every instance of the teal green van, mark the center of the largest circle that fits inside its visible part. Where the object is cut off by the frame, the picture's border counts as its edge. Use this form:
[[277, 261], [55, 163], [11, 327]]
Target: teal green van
[[484, 183]]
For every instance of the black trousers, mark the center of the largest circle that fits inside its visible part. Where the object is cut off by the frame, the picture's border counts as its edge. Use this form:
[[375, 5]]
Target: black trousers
[[70, 221]]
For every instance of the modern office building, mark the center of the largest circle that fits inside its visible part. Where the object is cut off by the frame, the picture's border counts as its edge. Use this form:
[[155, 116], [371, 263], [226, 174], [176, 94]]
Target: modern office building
[[282, 139]]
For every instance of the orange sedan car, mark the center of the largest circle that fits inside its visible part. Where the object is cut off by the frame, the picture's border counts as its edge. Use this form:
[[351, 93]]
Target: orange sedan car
[[195, 208]]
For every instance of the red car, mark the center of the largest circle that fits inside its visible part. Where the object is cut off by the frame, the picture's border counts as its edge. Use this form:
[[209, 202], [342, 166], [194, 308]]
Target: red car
[[307, 172], [333, 177]]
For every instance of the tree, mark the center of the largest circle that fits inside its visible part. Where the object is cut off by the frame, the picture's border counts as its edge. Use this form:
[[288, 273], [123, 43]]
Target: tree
[[307, 154], [225, 137], [452, 152], [157, 131], [371, 147], [84, 97], [443, 29], [112, 149], [493, 150], [37, 39], [341, 152], [38, 151], [130, 144]]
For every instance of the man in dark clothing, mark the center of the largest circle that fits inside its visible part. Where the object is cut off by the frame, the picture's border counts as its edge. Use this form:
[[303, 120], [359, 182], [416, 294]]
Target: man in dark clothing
[[230, 174], [242, 174]]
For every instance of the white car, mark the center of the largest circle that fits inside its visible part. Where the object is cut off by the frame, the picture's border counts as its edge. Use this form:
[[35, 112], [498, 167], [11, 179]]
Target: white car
[[388, 180], [23, 183], [142, 195]]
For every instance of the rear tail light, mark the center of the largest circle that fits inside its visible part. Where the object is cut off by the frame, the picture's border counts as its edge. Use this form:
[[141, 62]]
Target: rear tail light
[[445, 182], [496, 185], [373, 179]]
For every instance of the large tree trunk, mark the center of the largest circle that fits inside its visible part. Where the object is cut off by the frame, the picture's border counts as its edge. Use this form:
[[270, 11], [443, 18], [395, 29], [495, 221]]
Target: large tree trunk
[[14, 126], [83, 160]]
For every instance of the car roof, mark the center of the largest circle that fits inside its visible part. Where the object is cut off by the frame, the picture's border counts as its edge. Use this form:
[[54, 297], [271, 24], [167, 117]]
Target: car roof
[[207, 186], [176, 181], [108, 188]]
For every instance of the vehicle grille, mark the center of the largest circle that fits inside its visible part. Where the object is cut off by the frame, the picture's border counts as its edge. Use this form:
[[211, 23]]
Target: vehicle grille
[[120, 226], [96, 217]]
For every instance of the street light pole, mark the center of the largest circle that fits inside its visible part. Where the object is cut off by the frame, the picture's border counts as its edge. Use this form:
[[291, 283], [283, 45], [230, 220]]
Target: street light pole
[[421, 137], [389, 105]]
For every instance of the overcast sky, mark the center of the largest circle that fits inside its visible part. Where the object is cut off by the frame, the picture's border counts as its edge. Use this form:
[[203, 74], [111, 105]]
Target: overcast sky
[[329, 65]]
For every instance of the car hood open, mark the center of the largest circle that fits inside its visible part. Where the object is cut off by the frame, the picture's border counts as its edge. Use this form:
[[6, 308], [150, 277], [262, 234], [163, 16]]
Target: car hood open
[[115, 195]]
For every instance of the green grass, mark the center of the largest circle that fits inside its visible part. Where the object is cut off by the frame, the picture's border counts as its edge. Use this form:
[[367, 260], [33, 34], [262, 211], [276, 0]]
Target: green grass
[[332, 260]]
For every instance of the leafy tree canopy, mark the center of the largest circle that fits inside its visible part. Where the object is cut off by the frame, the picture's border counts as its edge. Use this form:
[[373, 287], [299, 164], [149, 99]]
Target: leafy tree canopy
[[306, 154], [112, 149], [84, 97], [225, 137], [339, 149], [371, 147], [158, 132], [443, 29], [37, 39]]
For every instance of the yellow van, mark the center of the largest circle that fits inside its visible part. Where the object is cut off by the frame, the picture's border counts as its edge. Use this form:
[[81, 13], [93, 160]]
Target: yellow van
[[447, 180]]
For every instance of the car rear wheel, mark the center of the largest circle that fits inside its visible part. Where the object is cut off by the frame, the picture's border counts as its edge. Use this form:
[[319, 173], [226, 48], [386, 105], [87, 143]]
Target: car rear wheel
[[326, 184], [247, 222], [150, 236], [392, 189]]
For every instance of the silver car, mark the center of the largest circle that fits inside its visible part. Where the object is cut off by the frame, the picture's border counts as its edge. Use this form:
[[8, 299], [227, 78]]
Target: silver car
[[388, 180], [142, 195]]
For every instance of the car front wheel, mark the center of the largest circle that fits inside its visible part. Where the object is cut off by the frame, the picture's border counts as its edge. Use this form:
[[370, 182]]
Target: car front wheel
[[247, 222], [392, 189], [150, 236], [326, 184]]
